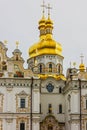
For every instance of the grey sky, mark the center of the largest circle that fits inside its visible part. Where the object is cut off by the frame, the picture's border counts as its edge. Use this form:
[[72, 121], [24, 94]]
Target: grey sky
[[19, 21]]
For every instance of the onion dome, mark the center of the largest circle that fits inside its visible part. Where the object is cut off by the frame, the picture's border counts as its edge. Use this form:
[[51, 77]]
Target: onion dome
[[42, 28], [82, 67], [17, 50], [46, 45], [49, 28]]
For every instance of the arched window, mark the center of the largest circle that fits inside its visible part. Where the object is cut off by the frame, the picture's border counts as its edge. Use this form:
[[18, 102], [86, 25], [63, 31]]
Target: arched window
[[60, 108], [86, 103], [58, 68], [16, 57], [40, 68], [50, 67], [50, 108], [60, 90], [50, 127], [4, 66], [69, 102]]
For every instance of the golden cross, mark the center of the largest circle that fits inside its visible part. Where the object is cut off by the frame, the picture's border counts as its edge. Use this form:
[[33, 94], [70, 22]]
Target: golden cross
[[17, 43], [5, 41], [82, 58], [49, 8], [43, 6], [74, 64]]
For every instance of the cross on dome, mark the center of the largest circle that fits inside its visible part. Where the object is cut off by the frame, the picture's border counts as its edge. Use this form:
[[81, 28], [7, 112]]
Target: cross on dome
[[82, 58], [17, 43], [5, 42], [43, 6], [49, 8]]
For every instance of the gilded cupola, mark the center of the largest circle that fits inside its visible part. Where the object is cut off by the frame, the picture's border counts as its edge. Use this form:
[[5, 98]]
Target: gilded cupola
[[46, 44], [82, 66]]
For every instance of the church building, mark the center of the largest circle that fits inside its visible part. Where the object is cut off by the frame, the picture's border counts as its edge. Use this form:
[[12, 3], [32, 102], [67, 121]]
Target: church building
[[41, 97]]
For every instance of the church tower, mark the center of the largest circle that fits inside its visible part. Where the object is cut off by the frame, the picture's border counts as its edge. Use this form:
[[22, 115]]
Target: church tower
[[47, 53], [46, 62]]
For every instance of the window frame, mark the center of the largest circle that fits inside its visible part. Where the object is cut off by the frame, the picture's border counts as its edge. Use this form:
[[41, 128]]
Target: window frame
[[60, 108], [22, 104]]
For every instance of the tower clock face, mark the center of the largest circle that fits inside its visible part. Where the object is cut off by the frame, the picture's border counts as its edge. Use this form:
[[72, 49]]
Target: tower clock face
[[50, 87]]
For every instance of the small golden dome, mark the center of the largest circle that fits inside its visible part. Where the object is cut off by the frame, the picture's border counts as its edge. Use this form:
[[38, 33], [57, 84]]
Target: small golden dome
[[81, 67], [41, 27], [49, 23], [42, 22]]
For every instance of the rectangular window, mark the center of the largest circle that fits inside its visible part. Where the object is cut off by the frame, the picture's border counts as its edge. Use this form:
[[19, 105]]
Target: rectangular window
[[22, 103], [60, 108], [86, 104], [22, 126], [40, 107], [50, 108]]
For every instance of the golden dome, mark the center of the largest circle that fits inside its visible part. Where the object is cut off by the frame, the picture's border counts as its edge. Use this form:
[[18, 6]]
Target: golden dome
[[81, 67], [46, 45], [42, 27]]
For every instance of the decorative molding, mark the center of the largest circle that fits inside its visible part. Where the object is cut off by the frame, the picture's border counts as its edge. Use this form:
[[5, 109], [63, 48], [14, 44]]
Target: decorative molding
[[20, 120], [20, 95], [9, 120]]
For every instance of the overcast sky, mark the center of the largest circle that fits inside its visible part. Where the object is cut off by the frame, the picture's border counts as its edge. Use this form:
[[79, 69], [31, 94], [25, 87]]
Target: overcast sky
[[19, 22]]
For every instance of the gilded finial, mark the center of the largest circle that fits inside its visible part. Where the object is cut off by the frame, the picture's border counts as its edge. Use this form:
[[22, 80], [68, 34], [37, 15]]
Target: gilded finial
[[70, 64], [5, 42], [74, 64], [82, 58], [49, 8], [43, 6], [17, 43], [82, 66]]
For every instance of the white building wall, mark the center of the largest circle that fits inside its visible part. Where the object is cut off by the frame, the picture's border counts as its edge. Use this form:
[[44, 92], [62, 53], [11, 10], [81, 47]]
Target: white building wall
[[75, 102], [36, 101], [74, 126], [36, 126]]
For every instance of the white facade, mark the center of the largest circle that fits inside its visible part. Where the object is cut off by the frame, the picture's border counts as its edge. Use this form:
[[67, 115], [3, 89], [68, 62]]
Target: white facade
[[41, 97]]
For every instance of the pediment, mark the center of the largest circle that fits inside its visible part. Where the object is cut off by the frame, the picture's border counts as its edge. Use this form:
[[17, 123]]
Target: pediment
[[23, 93]]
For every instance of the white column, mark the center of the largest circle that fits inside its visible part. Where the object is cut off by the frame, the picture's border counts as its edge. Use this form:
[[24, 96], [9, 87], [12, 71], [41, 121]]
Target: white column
[[36, 101], [74, 126], [75, 103], [36, 126], [10, 103]]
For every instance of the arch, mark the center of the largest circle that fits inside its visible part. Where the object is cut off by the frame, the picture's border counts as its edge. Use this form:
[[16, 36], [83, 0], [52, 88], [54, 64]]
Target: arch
[[50, 108], [50, 127], [59, 68], [41, 68], [69, 102], [60, 89], [4, 66], [51, 123], [50, 67], [16, 57]]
